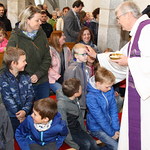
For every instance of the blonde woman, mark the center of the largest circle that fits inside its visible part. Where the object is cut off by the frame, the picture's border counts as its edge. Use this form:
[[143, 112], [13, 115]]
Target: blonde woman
[[32, 39]]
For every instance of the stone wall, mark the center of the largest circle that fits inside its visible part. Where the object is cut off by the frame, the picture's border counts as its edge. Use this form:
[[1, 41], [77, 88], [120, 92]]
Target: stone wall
[[110, 34]]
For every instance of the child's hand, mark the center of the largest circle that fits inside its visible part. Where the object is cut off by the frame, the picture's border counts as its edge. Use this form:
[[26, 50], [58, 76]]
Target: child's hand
[[34, 78], [116, 136], [71, 149], [117, 133], [20, 115], [22, 119], [116, 93]]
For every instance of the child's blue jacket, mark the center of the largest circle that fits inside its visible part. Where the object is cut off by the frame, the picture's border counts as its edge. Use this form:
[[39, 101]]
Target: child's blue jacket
[[17, 92], [102, 110], [27, 134]]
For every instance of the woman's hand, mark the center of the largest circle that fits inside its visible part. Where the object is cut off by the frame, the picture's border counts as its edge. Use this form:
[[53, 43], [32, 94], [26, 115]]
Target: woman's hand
[[21, 115], [34, 78]]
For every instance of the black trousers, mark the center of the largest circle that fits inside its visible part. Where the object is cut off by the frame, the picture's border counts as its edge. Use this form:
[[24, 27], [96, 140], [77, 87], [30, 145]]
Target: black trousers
[[50, 146]]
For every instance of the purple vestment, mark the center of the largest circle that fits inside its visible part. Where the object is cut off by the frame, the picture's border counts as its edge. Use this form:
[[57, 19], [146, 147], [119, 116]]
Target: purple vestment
[[134, 112]]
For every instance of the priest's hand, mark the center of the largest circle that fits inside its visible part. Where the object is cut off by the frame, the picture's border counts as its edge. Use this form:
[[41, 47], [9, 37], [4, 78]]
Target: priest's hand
[[123, 61], [90, 51]]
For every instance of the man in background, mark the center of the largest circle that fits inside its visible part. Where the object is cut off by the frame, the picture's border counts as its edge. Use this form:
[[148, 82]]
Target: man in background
[[48, 29], [45, 7], [72, 22]]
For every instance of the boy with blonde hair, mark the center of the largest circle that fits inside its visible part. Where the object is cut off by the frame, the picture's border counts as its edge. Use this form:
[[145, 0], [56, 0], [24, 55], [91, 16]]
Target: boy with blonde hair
[[15, 86], [102, 115], [78, 69]]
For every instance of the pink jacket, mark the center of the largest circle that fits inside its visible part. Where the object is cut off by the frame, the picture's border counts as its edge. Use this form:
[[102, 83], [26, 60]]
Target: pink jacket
[[54, 70], [3, 45]]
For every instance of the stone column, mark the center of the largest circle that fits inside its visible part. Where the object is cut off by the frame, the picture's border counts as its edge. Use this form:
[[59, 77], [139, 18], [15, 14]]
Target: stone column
[[14, 9], [109, 34]]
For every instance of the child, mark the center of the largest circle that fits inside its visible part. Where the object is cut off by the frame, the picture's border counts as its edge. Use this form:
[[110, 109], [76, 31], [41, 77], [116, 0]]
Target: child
[[91, 63], [118, 97], [102, 115], [6, 131], [78, 69], [44, 129], [69, 107], [16, 88], [3, 40]]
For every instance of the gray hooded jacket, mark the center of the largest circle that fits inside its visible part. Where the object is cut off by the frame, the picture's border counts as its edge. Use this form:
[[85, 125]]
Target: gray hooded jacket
[[6, 131], [71, 113]]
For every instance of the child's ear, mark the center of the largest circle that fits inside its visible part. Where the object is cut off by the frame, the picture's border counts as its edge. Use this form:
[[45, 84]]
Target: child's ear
[[97, 84], [75, 55], [13, 63], [46, 119], [75, 94]]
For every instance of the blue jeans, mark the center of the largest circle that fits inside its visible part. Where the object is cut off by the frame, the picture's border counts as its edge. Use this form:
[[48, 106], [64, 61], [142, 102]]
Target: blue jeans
[[55, 86], [84, 140], [119, 101], [41, 90], [111, 144]]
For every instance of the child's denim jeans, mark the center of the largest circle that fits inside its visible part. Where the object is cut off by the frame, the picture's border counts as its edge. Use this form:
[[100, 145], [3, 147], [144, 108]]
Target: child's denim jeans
[[109, 141]]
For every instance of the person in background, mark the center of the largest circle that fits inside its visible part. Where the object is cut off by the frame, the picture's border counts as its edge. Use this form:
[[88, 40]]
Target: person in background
[[53, 20], [72, 22], [3, 40], [102, 115], [48, 29], [91, 62], [16, 87], [146, 11], [88, 20], [60, 21], [44, 129], [94, 25], [6, 130], [32, 39], [40, 6], [4, 19], [78, 69], [45, 7], [86, 37], [68, 106], [61, 56], [83, 18], [59, 14], [107, 50]]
